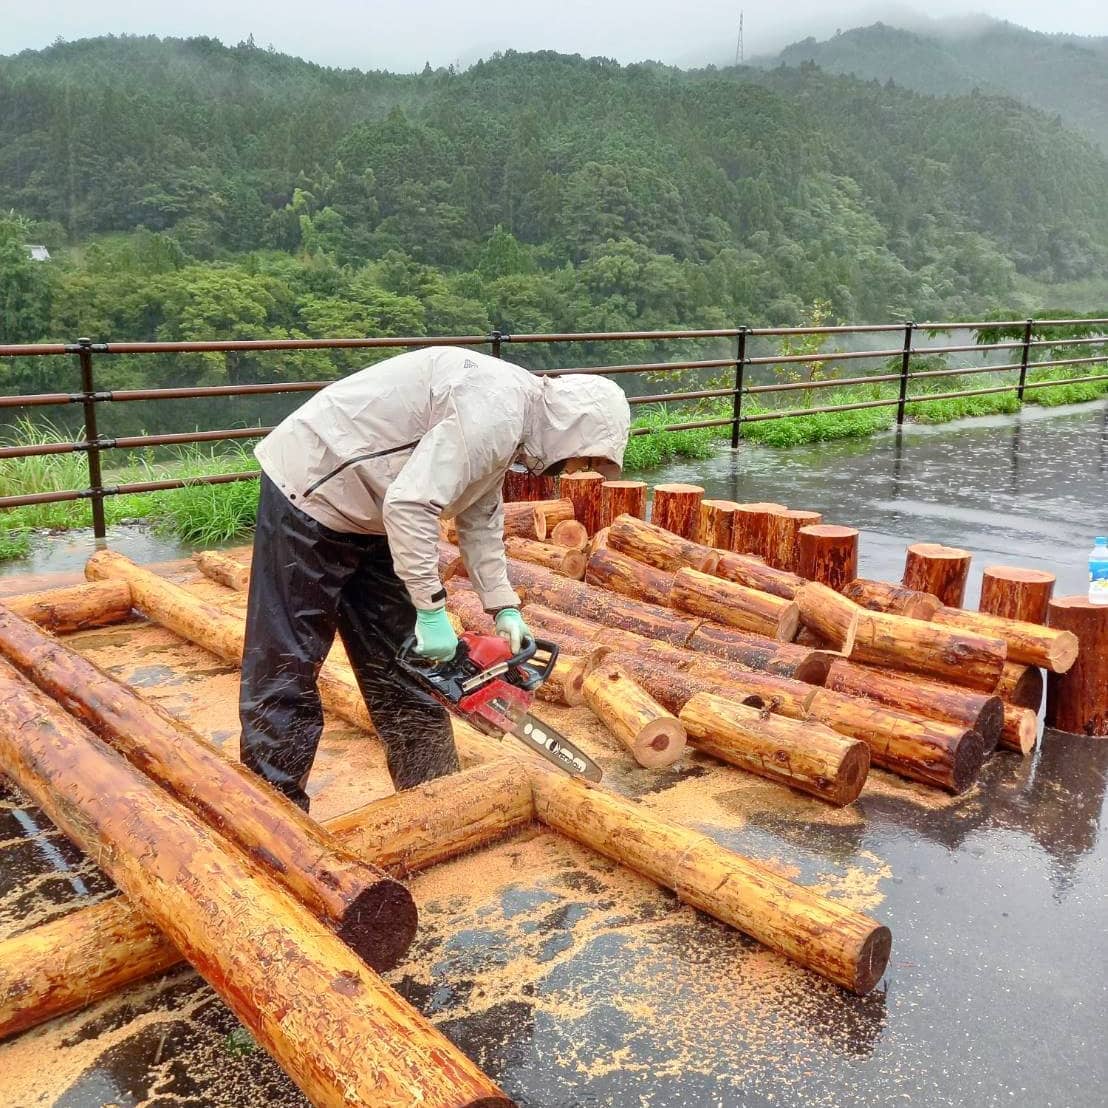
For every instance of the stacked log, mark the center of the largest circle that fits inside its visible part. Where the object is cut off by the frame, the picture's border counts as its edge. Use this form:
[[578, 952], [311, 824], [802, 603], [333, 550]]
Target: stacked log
[[554, 511], [523, 519], [828, 554], [584, 491], [716, 523], [616, 572], [1016, 593], [676, 507], [783, 537], [880, 596], [830, 615], [1077, 701], [745, 570], [570, 534], [939, 570], [734, 605], [1021, 686], [77, 608], [658, 547], [751, 527], [558, 559], [654, 737], [622, 498], [1029, 644]]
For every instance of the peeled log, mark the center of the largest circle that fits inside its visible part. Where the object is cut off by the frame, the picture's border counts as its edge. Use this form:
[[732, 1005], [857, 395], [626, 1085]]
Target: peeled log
[[783, 537], [622, 498], [715, 524], [611, 570], [85, 956], [1028, 643], [946, 653], [599, 541], [880, 596], [225, 570], [750, 529], [939, 570], [734, 605], [676, 507], [335, 1027], [828, 554], [805, 756], [370, 911], [570, 534], [77, 608], [931, 699], [1077, 701], [655, 546], [554, 511], [1016, 593], [558, 559], [583, 491], [830, 614], [755, 574], [654, 737], [1021, 686]]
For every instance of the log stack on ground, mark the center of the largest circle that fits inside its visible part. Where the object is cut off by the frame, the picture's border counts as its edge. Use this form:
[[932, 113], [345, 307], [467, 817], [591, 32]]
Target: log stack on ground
[[676, 507], [1016, 593], [939, 570], [584, 491], [622, 498], [654, 737], [751, 527], [828, 554], [1077, 701], [783, 537]]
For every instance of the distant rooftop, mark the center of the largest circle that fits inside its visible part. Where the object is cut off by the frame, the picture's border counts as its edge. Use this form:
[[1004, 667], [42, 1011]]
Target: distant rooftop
[[37, 252]]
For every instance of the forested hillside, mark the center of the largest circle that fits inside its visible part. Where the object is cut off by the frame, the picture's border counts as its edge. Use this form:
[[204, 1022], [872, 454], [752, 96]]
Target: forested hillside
[[191, 190], [1060, 74]]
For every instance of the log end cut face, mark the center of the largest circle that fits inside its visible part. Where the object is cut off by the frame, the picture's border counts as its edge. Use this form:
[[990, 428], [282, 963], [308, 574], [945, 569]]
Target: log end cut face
[[873, 959], [381, 924], [968, 757], [853, 770]]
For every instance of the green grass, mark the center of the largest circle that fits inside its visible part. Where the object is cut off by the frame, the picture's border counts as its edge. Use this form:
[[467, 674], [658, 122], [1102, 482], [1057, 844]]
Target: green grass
[[651, 451]]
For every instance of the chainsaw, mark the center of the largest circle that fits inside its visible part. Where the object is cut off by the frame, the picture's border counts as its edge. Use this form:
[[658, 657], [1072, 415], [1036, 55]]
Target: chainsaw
[[492, 689]]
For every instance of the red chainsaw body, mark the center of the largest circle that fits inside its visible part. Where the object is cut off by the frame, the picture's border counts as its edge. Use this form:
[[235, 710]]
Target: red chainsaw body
[[498, 702]]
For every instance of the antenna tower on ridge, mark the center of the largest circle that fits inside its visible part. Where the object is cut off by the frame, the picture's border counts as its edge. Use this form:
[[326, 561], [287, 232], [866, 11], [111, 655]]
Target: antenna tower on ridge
[[739, 54]]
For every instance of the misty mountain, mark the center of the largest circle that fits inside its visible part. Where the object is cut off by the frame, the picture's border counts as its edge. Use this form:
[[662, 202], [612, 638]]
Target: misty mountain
[[1063, 75]]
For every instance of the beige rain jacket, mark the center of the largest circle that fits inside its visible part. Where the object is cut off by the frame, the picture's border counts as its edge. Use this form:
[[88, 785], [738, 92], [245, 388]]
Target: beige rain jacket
[[429, 434]]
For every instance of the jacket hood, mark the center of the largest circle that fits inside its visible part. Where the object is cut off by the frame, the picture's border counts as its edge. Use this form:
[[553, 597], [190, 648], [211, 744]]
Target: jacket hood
[[580, 416]]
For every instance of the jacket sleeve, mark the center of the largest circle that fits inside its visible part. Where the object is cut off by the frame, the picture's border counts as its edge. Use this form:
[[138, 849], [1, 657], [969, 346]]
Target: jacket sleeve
[[474, 433]]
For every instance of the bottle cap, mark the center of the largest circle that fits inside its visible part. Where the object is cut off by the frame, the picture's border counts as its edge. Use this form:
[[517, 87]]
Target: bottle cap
[[1101, 540]]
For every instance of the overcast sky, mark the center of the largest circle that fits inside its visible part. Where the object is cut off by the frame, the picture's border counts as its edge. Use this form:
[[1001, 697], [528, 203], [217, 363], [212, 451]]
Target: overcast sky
[[403, 34]]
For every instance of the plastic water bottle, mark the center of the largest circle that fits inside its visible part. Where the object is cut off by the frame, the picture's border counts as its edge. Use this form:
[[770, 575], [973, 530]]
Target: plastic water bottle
[[1098, 572]]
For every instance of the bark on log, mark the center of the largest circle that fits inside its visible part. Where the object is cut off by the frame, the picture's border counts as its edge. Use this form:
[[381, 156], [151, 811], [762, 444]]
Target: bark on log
[[1021, 729], [750, 529], [931, 699], [783, 537], [734, 605], [828, 554], [369, 910], [654, 737], [1077, 701], [77, 608], [939, 570], [745, 570], [1029, 644], [223, 569], [599, 541], [805, 756], [554, 511], [523, 486], [570, 534], [946, 653], [831, 615], [583, 491], [336, 1028], [655, 546], [609, 569], [676, 507], [622, 498], [1016, 593], [85, 956], [716, 523], [1021, 686], [880, 596], [558, 559]]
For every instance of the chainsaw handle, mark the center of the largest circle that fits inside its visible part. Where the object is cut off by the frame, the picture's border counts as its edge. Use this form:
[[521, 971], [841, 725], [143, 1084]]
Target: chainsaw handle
[[540, 674]]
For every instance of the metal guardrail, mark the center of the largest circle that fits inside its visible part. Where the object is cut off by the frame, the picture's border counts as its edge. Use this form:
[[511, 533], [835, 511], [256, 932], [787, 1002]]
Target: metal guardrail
[[84, 350]]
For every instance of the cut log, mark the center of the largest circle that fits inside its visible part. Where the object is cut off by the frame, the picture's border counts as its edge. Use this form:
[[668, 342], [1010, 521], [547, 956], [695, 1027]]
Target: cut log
[[622, 498], [946, 653], [830, 614], [77, 608], [558, 559], [85, 956], [554, 511], [805, 756], [1021, 686], [880, 596], [325, 1016], [715, 524], [827, 937], [756, 652], [570, 534], [655, 546], [750, 529], [654, 737], [931, 699], [1021, 729], [1030, 644], [744, 569], [583, 490], [1077, 701], [523, 486], [734, 605], [828, 554], [1016, 593], [228, 571], [611, 570], [369, 910], [783, 537], [939, 570], [676, 507], [599, 541]]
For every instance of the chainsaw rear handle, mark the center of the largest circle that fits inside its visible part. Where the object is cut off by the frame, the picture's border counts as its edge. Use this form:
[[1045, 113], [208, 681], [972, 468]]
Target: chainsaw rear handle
[[515, 663]]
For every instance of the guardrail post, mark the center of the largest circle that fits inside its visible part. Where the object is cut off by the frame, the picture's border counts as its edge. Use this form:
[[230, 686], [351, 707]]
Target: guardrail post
[[905, 362], [1024, 358], [497, 339], [92, 436], [737, 400]]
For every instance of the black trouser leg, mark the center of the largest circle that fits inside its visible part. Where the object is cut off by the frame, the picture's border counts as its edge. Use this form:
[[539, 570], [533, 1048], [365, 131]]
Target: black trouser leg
[[298, 573], [375, 616]]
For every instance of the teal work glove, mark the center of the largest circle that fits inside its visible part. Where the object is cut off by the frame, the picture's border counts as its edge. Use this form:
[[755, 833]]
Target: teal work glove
[[435, 637], [510, 626]]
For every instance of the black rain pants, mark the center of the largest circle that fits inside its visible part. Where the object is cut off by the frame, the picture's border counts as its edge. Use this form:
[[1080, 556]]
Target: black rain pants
[[306, 582]]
